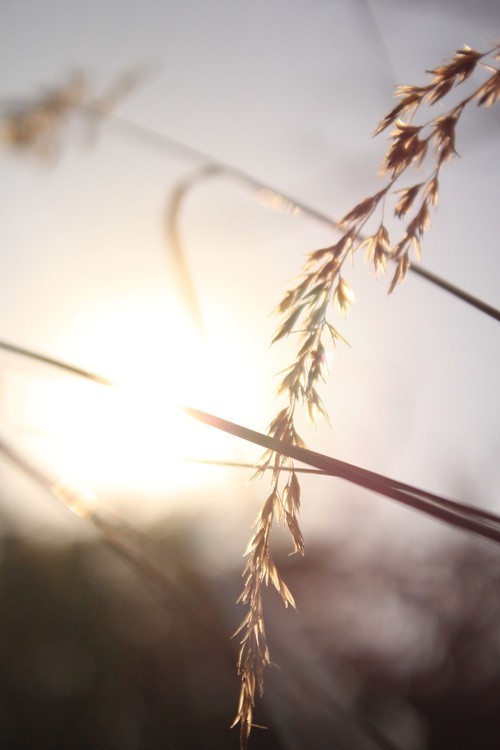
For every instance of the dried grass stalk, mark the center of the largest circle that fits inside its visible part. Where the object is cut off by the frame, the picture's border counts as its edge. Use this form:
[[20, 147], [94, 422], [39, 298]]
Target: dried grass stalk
[[304, 312]]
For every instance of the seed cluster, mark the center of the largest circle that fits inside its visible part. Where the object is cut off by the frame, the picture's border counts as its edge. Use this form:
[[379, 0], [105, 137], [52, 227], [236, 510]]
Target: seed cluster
[[304, 311], [38, 126]]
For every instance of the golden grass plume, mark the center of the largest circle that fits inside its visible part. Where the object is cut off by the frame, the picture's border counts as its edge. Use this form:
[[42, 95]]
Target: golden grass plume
[[305, 308]]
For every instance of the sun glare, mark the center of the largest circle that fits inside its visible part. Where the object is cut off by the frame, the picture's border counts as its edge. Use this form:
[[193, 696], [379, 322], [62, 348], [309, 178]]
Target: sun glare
[[134, 437]]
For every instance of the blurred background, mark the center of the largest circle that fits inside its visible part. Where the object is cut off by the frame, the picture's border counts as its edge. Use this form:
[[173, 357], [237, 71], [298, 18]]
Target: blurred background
[[396, 644]]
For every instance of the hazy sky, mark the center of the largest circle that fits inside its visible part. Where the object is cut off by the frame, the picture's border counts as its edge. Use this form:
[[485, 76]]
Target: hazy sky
[[289, 92]]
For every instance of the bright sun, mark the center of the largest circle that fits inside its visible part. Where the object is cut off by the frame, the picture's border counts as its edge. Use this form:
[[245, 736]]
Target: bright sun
[[132, 437]]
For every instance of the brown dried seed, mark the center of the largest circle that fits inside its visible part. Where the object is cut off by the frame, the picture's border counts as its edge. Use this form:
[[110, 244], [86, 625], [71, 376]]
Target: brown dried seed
[[343, 295], [490, 91], [443, 131], [412, 91], [407, 199], [359, 212], [406, 148], [400, 272], [439, 91], [420, 222], [459, 67], [431, 191]]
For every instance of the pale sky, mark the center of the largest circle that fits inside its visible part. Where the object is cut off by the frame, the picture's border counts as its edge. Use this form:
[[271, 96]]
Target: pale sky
[[289, 92]]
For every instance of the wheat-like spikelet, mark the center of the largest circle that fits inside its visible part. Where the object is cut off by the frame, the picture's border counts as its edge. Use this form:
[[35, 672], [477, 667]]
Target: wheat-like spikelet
[[37, 127], [304, 310]]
